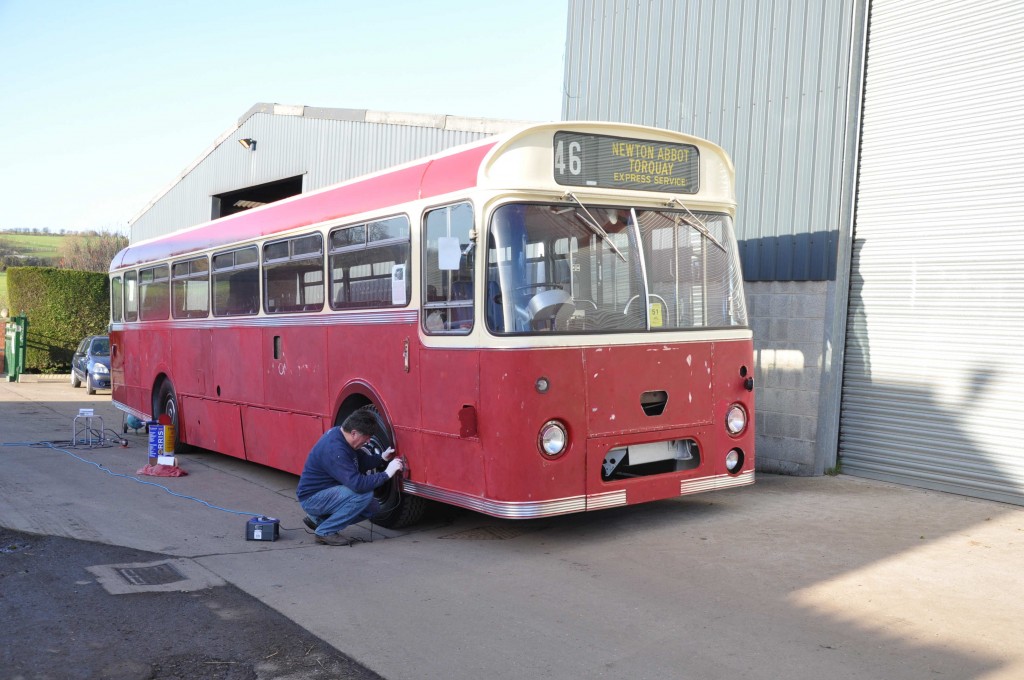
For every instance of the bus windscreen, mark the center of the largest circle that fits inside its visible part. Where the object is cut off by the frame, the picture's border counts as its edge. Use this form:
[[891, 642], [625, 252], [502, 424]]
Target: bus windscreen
[[550, 271]]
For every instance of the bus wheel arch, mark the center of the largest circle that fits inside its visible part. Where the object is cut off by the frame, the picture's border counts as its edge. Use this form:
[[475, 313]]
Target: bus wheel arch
[[355, 395]]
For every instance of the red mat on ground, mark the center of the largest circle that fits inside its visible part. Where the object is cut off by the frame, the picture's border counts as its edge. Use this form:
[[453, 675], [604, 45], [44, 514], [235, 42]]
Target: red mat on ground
[[162, 471]]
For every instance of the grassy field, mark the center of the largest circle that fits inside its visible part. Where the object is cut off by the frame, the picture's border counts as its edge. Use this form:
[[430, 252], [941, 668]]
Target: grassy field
[[45, 246]]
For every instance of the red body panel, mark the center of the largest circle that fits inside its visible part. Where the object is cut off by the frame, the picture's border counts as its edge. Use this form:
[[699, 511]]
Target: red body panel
[[296, 379], [512, 413], [236, 358], [273, 413], [616, 377], [449, 380], [195, 350], [211, 424], [279, 439]]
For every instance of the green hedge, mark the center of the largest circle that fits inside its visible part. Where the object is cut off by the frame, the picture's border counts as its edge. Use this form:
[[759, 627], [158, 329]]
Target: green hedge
[[63, 306]]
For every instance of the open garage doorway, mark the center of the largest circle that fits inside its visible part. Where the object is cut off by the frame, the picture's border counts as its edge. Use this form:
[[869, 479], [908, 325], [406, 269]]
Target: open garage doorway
[[232, 202]]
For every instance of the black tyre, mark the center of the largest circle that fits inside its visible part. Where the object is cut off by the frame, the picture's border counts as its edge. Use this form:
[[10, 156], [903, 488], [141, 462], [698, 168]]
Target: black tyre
[[398, 509], [75, 382], [89, 389], [167, 404]]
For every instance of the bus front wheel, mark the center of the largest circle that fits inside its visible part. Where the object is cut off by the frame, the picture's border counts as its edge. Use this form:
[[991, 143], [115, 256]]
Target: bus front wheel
[[397, 508], [167, 405]]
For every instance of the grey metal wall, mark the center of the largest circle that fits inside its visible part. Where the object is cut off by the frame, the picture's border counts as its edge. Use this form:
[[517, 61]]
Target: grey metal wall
[[325, 146], [766, 79], [935, 341]]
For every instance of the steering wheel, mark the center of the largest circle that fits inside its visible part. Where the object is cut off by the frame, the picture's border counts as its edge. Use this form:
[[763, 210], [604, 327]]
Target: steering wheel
[[537, 286], [549, 308]]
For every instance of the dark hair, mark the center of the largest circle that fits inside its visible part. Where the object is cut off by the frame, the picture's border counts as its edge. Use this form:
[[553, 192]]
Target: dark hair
[[362, 421]]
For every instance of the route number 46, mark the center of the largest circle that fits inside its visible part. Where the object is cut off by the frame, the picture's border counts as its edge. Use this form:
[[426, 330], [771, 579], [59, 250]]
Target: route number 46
[[575, 161]]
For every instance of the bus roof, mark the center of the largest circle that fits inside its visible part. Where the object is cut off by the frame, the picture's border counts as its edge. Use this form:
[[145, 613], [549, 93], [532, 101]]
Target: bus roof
[[462, 167], [434, 176]]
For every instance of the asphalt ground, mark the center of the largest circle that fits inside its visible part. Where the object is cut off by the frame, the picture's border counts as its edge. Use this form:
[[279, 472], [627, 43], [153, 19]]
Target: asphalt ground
[[795, 578], [59, 621]]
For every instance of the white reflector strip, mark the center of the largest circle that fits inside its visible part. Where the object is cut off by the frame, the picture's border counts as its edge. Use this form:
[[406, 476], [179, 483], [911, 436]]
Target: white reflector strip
[[688, 486], [508, 509], [608, 499]]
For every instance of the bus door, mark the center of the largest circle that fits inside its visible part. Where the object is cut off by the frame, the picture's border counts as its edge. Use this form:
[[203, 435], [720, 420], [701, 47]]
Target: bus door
[[449, 375]]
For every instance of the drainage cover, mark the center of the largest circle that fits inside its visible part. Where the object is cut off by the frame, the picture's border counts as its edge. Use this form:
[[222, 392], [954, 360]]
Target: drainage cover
[[155, 575], [175, 574]]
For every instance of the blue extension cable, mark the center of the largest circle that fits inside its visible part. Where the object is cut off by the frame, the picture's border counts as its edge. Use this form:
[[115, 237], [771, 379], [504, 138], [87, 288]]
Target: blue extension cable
[[50, 445]]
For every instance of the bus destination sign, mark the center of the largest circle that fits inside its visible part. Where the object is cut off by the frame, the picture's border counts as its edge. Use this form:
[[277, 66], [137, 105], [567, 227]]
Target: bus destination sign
[[583, 160]]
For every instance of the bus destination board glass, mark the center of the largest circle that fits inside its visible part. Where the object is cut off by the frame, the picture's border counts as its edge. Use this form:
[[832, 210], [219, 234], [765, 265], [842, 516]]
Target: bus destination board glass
[[583, 160]]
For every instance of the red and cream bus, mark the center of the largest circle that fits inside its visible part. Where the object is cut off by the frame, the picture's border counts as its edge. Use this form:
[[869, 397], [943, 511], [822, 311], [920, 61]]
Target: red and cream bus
[[546, 321]]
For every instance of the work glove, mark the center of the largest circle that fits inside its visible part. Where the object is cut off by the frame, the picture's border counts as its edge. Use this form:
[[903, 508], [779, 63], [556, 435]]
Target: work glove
[[388, 454], [393, 467]]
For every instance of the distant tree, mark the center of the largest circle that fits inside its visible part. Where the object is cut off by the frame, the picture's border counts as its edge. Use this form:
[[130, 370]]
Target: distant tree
[[90, 252]]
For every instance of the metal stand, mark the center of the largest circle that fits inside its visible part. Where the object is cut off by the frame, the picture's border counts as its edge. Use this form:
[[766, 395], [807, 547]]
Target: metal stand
[[84, 430]]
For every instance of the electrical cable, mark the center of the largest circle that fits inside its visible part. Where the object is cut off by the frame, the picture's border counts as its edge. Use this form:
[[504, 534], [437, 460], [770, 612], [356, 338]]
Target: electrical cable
[[391, 501], [95, 439], [51, 445]]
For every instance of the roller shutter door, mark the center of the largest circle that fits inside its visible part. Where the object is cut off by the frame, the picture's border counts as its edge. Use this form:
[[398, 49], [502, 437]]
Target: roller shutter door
[[934, 363]]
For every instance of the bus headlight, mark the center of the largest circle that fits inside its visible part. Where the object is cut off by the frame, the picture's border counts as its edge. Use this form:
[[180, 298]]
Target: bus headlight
[[552, 439], [734, 460], [735, 419]]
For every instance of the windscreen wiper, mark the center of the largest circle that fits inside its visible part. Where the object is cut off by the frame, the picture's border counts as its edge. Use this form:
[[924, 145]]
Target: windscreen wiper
[[593, 225], [697, 224]]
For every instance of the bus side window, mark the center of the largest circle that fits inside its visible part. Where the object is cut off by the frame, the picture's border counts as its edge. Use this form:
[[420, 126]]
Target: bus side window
[[236, 282], [116, 300], [293, 275], [190, 289], [154, 293], [448, 282], [369, 264]]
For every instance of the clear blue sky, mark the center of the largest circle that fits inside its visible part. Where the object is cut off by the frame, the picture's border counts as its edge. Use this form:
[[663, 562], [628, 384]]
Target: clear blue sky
[[103, 103]]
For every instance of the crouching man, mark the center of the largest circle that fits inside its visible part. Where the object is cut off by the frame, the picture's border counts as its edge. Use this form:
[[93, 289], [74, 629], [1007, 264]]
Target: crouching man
[[332, 490]]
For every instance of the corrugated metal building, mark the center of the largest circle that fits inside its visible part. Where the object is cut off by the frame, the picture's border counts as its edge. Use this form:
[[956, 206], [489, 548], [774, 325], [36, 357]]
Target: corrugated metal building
[[886, 281], [296, 149]]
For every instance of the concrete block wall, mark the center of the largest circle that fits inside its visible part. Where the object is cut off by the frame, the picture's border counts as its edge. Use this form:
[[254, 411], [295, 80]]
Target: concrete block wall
[[788, 318]]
